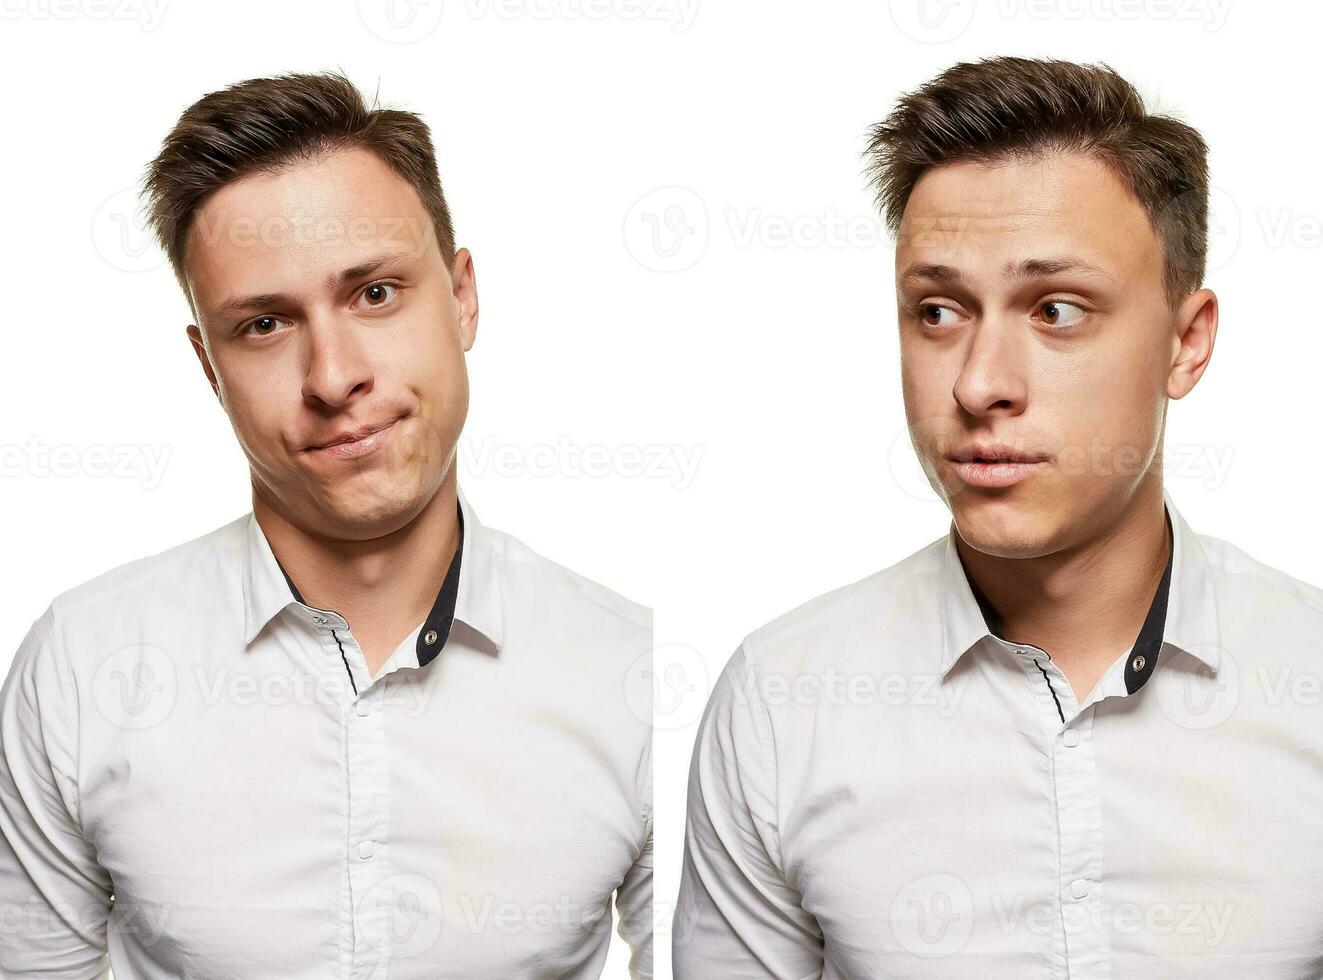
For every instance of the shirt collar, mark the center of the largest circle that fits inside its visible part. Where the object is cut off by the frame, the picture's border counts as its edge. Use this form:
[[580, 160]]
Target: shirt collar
[[1182, 614], [265, 591], [470, 593], [479, 603]]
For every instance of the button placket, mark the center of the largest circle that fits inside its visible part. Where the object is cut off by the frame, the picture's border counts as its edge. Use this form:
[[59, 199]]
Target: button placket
[[325, 655], [1079, 821], [1049, 685], [1080, 933], [346, 652], [367, 847]]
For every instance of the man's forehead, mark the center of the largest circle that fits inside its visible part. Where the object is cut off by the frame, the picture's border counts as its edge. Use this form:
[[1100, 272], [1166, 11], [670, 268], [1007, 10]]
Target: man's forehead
[[343, 186], [969, 212], [322, 215]]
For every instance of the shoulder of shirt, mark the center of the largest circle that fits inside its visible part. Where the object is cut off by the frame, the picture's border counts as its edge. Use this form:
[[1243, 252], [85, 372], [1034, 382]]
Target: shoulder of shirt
[[890, 597], [142, 577], [517, 557], [1227, 559]]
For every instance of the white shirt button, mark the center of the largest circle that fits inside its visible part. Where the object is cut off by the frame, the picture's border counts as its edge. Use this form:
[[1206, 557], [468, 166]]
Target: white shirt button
[[1070, 738], [366, 849], [1079, 887], [361, 708], [319, 620]]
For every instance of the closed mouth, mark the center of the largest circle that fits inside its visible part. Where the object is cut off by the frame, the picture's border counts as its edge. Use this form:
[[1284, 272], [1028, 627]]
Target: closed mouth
[[355, 435], [994, 456]]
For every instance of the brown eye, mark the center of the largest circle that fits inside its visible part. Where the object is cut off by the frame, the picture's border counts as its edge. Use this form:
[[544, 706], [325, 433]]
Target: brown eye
[[1058, 313], [931, 314], [264, 326], [377, 294]]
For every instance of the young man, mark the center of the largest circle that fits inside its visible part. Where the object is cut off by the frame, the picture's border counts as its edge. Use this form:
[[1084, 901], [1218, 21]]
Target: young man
[[1060, 741], [354, 733]]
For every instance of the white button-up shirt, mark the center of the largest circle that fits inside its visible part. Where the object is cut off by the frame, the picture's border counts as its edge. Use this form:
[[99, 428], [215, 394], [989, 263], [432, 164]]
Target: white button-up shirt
[[881, 787], [186, 736]]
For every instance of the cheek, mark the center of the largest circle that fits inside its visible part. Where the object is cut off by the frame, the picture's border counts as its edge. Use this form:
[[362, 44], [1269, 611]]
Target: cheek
[[931, 416], [926, 381], [439, 373], [439, 381], [256, 408], [1110, 415]]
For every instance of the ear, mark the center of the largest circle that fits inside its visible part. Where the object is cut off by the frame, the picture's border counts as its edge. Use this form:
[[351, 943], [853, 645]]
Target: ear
[[465, 285], [199, 348], [1196, 331]]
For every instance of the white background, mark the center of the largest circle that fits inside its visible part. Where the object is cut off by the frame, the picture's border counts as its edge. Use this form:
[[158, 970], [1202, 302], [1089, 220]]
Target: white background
[[677, 256]]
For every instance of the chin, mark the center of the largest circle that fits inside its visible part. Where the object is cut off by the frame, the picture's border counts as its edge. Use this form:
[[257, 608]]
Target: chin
[[368, 510], [1004, 526]]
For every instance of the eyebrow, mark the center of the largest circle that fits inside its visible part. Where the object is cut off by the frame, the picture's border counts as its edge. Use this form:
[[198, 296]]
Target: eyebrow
[[262, 301], [1024, 269]]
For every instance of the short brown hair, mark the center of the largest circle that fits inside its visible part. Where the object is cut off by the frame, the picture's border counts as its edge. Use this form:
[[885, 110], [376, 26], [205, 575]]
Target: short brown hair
[[269, 124], [1000, 108]]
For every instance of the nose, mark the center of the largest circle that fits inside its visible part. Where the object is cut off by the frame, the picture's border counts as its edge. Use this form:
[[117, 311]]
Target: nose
[[992, 378], [338, 366]]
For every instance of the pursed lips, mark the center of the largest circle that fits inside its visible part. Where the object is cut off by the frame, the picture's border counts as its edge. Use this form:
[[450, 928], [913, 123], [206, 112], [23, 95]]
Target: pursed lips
[[355, 442]]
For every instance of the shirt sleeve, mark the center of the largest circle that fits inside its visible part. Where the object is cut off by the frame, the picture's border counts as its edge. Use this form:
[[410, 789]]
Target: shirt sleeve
[[737, 918], [54, 897], [634, 894]]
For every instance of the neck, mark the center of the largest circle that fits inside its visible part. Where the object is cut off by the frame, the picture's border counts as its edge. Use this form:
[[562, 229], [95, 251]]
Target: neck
[[1084, 604], [383, 585]]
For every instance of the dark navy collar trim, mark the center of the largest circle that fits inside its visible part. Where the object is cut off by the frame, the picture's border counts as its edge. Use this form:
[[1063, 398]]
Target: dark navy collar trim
[[436, 628], [1143, 657], [290, 582]]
